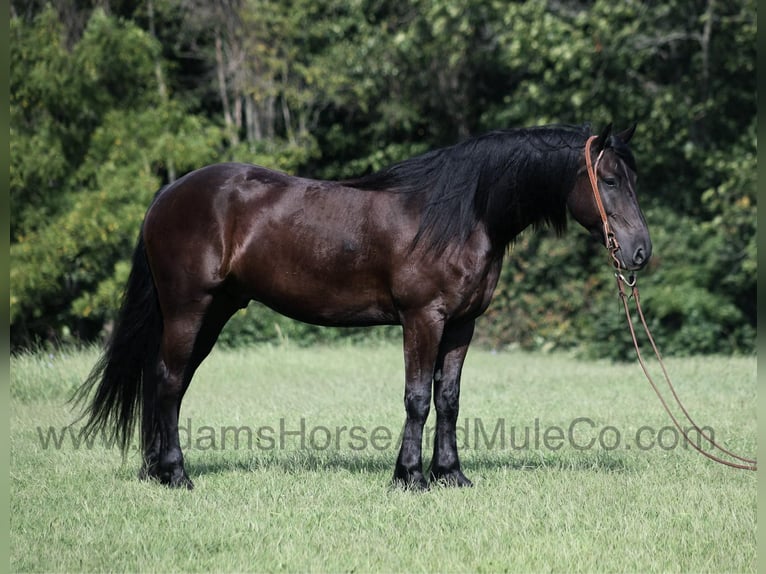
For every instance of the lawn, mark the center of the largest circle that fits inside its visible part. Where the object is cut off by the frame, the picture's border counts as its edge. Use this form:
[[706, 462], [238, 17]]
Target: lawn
[[292, 451]]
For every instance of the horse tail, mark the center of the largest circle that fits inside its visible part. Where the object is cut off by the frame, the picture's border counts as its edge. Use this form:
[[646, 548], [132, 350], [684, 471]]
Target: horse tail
[[124, 376]]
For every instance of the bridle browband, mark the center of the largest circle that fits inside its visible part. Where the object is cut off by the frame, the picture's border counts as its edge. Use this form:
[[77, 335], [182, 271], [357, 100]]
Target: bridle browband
[[613, 246]]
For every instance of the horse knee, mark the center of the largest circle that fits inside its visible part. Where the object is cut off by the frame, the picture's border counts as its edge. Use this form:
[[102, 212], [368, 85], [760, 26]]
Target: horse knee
[[417, 405], [447, 403]]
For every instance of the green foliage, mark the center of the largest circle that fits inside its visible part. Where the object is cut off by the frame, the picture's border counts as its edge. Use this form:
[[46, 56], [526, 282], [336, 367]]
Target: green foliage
[[546, 283], [561, 294], [103, 114], [689, 307], [685, 309], [72, 241]]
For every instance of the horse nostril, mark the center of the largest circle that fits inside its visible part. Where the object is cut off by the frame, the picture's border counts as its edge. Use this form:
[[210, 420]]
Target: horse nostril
[[639, 257]]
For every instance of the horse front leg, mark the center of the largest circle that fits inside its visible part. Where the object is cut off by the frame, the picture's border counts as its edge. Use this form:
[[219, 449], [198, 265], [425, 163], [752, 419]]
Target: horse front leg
[[445, 464], [422, 333]]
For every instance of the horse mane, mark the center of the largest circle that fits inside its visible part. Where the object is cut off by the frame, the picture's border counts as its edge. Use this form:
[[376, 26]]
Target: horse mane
[[506, 179]]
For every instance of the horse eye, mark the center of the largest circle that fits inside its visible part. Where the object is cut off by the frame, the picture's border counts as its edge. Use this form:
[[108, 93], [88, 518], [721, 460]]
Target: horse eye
[[610, 181]]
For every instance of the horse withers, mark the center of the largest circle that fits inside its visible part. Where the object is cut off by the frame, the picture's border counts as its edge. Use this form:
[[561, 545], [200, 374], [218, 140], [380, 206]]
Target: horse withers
[[419, 244]]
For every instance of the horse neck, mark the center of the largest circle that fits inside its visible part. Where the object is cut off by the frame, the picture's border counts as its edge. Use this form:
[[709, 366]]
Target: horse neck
[[531, 191]]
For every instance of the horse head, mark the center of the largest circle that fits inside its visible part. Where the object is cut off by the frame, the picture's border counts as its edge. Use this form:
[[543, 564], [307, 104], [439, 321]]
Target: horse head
[[615, 173]]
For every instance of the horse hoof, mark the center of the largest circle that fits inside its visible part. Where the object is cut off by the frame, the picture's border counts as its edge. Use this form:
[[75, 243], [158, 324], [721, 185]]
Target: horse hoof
[[415, 482], [179, 481], [185, 483], [175, 477], [149, 471], [453, 478]]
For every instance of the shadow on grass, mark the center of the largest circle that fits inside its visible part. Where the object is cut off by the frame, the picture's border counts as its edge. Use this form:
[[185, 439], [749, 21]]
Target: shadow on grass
[[361, 463], [600, 461], [293, 462]]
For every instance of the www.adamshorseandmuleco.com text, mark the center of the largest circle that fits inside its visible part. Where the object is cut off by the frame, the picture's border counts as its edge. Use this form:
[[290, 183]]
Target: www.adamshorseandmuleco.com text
[[581, 433]]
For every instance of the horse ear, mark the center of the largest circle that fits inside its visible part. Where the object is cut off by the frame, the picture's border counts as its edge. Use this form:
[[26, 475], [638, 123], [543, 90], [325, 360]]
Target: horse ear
[[604, 137], [628, 133]]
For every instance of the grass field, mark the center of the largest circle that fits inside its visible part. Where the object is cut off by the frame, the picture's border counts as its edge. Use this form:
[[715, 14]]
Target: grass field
[[307, 487]]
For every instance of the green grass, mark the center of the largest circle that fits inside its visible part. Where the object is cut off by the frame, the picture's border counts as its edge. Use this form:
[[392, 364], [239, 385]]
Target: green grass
[[332, 509]]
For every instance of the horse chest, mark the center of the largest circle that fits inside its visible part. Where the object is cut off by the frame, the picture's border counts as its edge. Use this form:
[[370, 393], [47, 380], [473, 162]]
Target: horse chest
[[459, 286]]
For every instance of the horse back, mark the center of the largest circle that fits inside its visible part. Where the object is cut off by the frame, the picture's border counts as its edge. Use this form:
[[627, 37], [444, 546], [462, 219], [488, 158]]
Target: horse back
[[307, 248]]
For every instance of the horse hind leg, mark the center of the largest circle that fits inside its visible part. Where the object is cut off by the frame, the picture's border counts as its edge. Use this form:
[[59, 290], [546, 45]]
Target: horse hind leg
[[163, 458], [187, 339]]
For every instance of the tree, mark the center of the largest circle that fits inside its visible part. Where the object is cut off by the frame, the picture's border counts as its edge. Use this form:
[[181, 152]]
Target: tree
[[110, 103], [77, 209]]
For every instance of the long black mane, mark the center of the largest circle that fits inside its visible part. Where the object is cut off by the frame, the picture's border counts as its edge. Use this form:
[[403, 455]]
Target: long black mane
[[507, 179]]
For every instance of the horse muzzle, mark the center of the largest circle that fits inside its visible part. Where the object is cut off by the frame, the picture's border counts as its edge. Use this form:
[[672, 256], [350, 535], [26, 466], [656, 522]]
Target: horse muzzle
[[638, 256]]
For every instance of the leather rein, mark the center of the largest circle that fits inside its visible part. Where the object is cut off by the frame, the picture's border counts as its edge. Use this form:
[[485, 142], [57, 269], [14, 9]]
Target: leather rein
[[613, 246]]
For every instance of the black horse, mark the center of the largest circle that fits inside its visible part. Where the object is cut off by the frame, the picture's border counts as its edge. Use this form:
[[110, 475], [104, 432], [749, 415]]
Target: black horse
[[419, 244]]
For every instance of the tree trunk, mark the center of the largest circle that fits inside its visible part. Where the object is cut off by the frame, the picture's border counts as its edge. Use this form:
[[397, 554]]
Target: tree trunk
[[222, 89], [161, 86]]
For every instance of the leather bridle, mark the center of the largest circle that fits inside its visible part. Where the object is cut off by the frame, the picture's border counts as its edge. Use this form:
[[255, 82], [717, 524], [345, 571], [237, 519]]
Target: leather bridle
[[613, 246]]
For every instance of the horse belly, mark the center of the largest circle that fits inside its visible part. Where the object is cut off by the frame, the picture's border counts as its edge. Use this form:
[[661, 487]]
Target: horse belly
[[327, 278]]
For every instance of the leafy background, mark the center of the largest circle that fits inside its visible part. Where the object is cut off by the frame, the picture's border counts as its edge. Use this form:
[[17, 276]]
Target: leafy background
[[112, 99]]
